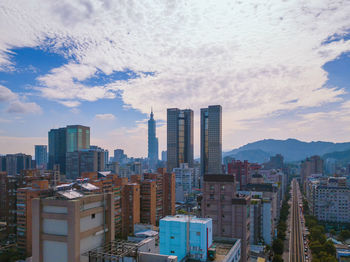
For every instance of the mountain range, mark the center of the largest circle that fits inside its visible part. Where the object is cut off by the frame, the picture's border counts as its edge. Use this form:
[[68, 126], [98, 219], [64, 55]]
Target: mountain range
[[291, 149]]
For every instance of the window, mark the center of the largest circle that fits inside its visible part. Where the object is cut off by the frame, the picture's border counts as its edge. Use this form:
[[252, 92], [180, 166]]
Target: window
[[93, 216], [198, 233], [222, 187], [208, 205], [211, 187], [211, 196], [172, 252], [172, 237]]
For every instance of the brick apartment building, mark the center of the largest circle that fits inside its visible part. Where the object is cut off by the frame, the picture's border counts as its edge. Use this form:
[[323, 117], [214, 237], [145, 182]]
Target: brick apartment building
[[229, 211]]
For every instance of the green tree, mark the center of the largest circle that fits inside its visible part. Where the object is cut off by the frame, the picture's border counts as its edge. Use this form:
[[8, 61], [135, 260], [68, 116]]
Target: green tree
[[344, 234], [277, 258], [277, 246], [329, 247], [316, 247]]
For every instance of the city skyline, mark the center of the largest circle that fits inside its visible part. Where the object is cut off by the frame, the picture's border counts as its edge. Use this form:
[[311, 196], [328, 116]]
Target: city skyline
[[104, 76]]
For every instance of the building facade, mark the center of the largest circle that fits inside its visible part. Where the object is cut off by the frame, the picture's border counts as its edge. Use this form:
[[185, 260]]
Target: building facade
[[38, 189], [57, 149], [179, 137], [148, 203], [152, 143], [66, 227], [185, 236], [78, 137], [41, 156], [211, 140], [184, 179], [230, 212]]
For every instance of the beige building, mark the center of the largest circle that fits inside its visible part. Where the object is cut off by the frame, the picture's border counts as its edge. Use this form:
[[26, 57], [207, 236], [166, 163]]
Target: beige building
[[70, 224]]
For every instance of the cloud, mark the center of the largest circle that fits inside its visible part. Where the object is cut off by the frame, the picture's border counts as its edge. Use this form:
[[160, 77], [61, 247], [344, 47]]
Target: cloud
[[252, 58], [105, 116], [16, 105], [69, 103], [6, 94]]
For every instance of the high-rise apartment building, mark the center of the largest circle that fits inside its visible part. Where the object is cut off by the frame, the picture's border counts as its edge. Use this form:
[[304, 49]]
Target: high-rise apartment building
[[57, 149], [38, 189], [70, 224], [169, 194], [184, 182], [329, 199], [158, 177], [130, 208], [13, 164], [312, 165], [179, 138], [148, 203], [152, 143], [41, 156], [230, 213], [211, 140], [3, 196]]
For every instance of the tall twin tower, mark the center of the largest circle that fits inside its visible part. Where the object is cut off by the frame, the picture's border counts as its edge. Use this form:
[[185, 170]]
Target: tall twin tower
[[180, 139]]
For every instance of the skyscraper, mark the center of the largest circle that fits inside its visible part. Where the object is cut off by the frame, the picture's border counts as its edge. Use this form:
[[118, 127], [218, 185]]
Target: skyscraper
[[57, 148], [41, 155], [179, 137], [211, 140], [78, 137], [152, 142]]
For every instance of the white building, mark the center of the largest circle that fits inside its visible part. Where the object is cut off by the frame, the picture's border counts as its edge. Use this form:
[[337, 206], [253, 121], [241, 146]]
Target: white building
[[184, 179], [332, 201]]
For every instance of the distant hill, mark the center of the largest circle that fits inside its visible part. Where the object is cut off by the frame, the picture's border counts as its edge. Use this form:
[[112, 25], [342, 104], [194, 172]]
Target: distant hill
[[253, 156], [340, 156], [291, 149]]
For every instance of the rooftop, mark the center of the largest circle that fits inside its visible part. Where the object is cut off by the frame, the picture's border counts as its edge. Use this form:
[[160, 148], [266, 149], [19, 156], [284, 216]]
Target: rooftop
[[223, 247], [185, 218]]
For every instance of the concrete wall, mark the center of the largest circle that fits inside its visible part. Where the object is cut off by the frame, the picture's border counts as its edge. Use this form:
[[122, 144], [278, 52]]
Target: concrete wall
[[54, 251]]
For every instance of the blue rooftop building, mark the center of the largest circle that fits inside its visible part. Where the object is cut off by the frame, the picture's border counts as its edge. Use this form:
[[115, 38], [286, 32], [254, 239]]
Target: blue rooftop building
[[185, 236]]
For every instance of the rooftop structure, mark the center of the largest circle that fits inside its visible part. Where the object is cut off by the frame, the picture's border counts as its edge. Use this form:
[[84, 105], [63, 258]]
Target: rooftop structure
[[185, 236]]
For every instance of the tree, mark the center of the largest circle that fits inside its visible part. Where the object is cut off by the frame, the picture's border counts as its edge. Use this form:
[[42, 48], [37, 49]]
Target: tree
[[344, 234], [277, 246], [277, 258], [316, 247], [329, 247]]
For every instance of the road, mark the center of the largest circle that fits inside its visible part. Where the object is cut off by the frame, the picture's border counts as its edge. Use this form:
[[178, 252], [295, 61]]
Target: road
[[296, 247]]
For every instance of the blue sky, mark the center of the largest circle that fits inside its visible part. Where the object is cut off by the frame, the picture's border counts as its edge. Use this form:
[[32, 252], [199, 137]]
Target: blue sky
[[278, 69]]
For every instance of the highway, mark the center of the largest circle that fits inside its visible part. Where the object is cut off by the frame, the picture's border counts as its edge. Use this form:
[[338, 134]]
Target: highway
[[296, 251]]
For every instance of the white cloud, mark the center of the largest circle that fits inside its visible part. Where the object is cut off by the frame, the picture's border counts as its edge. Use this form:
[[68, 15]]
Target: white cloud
[[105, 116], [252, 58], [16, 104], [69, 103]]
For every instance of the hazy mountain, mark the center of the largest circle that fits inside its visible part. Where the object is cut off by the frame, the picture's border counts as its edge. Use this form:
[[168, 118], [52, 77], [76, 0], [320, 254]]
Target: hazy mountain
[[253, 156], [291, 149], [340, 156]]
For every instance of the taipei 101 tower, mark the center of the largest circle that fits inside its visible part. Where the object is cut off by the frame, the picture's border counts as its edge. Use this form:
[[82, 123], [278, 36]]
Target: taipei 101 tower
[[152, 143]]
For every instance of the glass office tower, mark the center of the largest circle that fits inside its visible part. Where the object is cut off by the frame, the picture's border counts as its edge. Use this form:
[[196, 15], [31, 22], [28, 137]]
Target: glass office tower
[[211, 140], [179, 137]]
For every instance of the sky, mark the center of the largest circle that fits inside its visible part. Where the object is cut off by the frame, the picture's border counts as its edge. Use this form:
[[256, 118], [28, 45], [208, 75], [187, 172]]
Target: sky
[[280, 69]]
